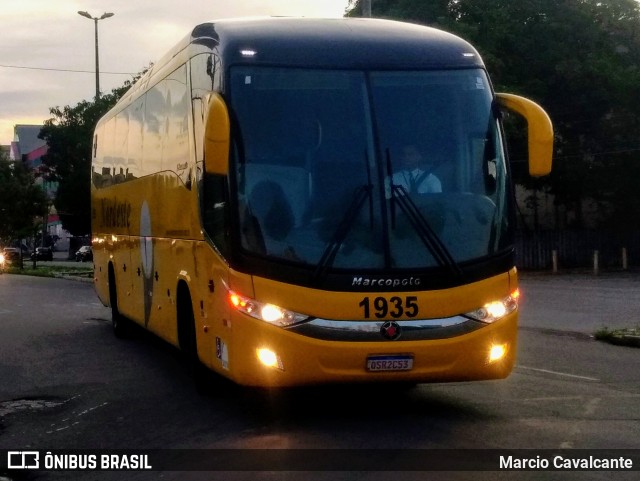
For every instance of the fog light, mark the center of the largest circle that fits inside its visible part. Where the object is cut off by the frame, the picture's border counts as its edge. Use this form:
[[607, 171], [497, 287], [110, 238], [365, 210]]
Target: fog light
[[269, 358], [497, 352]]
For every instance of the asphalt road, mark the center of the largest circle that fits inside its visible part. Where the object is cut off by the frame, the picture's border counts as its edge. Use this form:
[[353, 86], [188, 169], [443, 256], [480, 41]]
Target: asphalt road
[[580, 302], [67, 383]]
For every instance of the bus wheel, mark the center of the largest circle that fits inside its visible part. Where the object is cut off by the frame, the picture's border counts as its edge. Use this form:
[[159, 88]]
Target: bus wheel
[[121, 327], [188, 342]]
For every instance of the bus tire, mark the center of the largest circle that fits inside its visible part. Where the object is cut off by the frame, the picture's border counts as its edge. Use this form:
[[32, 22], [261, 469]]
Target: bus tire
[[188, 342], [121, 326]]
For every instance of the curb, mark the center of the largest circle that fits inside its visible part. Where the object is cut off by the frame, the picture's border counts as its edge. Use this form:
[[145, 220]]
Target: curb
[[625, 340], [77, 278], [623, 337]]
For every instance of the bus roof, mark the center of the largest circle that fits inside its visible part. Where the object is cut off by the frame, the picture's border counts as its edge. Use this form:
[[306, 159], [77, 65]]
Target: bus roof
[[335, 43], [340, 43]]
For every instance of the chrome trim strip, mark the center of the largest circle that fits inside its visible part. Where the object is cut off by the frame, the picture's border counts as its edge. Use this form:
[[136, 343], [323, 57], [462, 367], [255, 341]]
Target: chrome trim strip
[[369, 331]]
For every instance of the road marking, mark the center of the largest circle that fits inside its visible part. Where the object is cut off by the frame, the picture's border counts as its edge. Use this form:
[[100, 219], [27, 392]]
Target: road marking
[[554, 399], [586, 378], [76, 417]]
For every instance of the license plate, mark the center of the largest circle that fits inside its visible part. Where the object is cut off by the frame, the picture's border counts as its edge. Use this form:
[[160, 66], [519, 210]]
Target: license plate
[[389, 363]]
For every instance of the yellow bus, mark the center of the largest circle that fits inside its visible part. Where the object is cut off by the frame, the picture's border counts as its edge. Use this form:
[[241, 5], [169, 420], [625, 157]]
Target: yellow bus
[[302, 201]]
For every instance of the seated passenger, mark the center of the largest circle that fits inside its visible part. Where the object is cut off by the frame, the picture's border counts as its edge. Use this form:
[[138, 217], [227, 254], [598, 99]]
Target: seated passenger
[[270, 218]]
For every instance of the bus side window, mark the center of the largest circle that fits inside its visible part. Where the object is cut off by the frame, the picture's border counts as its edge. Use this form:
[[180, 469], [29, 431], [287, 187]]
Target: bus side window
[[294, 184], [215, 211], [268, 204]]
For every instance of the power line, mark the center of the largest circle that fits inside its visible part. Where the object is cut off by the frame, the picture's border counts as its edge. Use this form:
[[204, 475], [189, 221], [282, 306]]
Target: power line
[[64, 70]]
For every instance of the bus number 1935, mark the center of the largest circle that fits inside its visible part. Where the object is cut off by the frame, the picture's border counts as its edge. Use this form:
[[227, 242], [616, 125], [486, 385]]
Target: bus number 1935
[[396, 307]]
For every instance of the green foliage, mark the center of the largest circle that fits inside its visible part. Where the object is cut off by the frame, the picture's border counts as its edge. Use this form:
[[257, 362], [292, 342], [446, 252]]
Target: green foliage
[[21, 200], [69, 136], [43, 269], [623, 337], [68, 160], [580, 59], [428, 13]]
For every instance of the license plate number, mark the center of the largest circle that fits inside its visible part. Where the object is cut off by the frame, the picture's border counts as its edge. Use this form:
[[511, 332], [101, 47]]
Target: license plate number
[[389, 363]]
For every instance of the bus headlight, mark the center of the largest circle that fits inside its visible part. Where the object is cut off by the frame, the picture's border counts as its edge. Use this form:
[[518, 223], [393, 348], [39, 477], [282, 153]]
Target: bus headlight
[[496, 310], [265, 312]]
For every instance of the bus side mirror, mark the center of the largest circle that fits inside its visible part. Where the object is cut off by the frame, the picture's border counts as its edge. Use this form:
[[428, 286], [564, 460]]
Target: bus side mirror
[[217, 137], [539, 132]]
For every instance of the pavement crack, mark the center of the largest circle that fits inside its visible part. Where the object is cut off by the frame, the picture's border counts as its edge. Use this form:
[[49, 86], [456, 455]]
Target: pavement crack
[[31, 404]]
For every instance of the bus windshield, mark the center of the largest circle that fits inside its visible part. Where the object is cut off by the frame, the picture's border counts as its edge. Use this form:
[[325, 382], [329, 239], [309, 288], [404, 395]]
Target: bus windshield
[[368, 170]]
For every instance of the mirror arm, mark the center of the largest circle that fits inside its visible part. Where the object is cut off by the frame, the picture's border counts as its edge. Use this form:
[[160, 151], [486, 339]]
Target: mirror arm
[[540, 131], [217, 137]]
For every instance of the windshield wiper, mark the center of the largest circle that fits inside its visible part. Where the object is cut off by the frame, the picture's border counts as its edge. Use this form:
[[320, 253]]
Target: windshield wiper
[[426, 233], [361, 194]]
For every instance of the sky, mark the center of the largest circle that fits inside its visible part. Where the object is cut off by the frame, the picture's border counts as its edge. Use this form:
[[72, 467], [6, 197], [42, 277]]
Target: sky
[[56, 46]]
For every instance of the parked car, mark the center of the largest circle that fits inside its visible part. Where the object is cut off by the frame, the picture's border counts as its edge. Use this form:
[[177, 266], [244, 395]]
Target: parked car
[[85, 253], [42, 254], [11, 254]]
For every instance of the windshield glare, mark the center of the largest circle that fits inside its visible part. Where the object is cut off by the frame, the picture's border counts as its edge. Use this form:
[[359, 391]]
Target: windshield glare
[[368, 170]]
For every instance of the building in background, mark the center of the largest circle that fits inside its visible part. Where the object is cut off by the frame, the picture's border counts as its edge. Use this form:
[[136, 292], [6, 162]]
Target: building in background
[[29, 149], [25, 141]]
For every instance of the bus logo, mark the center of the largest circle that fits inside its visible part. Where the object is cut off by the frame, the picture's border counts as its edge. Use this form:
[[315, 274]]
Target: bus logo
[[391, 330]]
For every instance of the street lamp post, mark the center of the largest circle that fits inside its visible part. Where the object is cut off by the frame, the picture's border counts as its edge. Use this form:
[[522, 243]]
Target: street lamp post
[[95, 20], [366, 8]]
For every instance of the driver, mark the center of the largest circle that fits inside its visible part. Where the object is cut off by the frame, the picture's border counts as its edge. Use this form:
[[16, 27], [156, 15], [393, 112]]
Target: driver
[[415, 173]]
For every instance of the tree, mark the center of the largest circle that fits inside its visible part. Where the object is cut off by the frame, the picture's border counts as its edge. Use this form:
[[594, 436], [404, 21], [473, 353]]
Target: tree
[[69, 137], [432, 12], [580, 59], [21, 200]]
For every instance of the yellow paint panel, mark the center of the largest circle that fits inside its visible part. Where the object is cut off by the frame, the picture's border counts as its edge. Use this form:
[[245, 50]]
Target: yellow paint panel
[[345, 305]]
